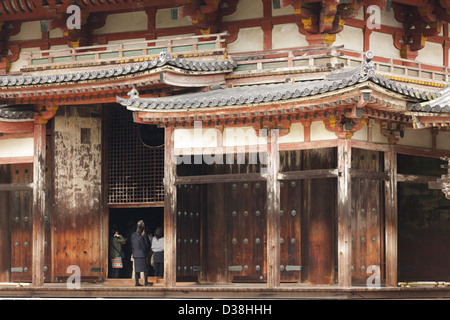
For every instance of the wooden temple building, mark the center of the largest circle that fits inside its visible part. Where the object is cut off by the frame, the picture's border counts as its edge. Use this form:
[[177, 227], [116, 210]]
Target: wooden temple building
[[279, 143]]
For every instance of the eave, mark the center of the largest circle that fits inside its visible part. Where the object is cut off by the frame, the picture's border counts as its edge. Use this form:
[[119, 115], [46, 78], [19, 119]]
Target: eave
[[357, 90], [101, 84]]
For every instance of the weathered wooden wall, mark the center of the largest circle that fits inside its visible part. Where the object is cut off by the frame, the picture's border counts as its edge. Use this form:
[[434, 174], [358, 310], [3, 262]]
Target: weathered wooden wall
[[367, 215], [21, 224], [77, 191], [4, 226], [309, 217], [423, 224]]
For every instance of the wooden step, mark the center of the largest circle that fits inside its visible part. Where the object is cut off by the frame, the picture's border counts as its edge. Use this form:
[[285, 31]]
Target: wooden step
[[130, 282]]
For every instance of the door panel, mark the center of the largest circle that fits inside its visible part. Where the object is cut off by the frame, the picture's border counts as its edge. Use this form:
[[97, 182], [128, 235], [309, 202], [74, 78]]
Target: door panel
[[290, 231], [189, 215], [21, 225], [366, 214], [247, 232]]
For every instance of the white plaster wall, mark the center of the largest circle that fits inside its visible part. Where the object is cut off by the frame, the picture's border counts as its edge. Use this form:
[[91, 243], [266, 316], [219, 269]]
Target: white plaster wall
[[30, 30], [296, 134], [55, 33], [352, 38], [416, 138], [182, 41], [361, 134], [432, 53], [127, 43], [249, 39], [443, 141], [245, 136], [22, 61], [387, 18], [195, 138], [319, 132], [124, 22], [376, 135], [246, 9], [22, 147], [287, 36], [163, 20], [382, 44], [288, 10]]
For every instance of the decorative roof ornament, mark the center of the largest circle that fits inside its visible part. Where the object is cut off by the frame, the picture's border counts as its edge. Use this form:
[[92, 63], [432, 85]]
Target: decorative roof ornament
[[133, 94], [368, 67]]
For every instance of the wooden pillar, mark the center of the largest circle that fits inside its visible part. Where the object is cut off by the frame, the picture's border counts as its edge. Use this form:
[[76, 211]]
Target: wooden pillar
[[273, 210], [38, 233], [170, 204], [344, 215], [391, 217]]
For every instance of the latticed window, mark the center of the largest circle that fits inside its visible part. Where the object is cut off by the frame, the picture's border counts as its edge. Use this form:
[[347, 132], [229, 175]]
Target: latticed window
[[136, 161]]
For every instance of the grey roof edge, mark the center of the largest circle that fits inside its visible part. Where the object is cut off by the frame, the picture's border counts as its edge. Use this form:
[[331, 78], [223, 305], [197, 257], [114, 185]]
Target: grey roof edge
[[440, 104], [165, 59], [337, 79], [16, 113]]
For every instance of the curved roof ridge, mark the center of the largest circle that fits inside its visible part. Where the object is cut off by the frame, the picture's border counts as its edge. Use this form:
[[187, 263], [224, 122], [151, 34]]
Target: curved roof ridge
[[337, 79], [204, 66]]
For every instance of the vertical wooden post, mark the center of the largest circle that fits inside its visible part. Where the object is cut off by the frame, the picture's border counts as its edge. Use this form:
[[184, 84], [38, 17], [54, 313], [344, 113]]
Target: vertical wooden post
[[170, 203], [273, 210], [391, 217], [38, 233], [344, 215]]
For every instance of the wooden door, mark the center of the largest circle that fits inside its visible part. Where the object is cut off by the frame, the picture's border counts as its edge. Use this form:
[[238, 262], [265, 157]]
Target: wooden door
[[21, 224], [366, 215], [290, 230], [20, 207], [246, 215], [189, 224]]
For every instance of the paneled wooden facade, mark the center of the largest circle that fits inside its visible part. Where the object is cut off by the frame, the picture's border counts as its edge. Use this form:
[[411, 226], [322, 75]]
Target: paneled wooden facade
[[292, 161]]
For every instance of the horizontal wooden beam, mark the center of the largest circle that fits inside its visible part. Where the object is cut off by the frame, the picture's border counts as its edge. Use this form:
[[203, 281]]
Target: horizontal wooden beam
[[436, 185], [356, 173], [137, 205], [308, 174], [219, 178], [415, 178], [16, 186], [16, 160]]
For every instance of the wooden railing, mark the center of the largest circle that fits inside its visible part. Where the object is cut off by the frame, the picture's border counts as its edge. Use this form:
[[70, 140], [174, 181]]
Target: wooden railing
[[195, 45], [321, 56], [399, 68], [309, 58]]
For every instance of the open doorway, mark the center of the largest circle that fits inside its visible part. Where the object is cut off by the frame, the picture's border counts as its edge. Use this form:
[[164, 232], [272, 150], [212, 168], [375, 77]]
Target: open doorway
[[125, 220]]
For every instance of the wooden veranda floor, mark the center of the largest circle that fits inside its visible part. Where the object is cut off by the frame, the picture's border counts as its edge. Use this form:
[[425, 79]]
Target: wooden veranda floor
[[126, 289]]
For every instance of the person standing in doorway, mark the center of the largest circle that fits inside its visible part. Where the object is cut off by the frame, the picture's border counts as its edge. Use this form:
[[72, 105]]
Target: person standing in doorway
[[116, 242], [158, 252], [140, 246]]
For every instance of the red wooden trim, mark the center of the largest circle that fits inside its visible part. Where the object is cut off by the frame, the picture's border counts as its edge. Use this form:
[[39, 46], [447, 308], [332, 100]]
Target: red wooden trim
[[344, 217], [414, 151], [38, 232], [16, 127], [15, 160], [391, 217], [170, 205]]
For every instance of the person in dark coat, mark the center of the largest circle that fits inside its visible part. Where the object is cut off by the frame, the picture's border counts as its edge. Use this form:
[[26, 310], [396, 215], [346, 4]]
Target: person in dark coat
[[140, 245]]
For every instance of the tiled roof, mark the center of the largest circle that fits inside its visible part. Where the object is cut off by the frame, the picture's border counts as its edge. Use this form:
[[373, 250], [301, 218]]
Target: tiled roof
[[277, 92], [202, 66], [439, 105], [16, 112]]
